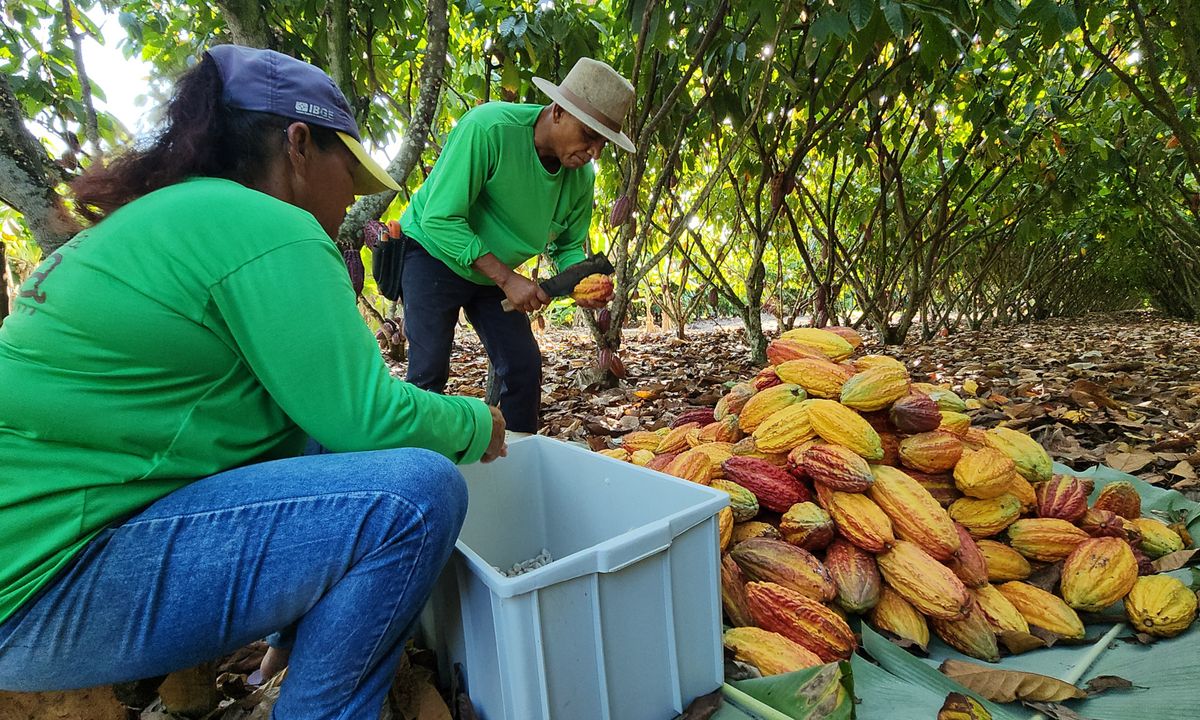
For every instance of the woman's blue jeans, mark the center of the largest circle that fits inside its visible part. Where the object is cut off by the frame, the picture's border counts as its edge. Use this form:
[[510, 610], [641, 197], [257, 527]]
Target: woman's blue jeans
[[345, 547]]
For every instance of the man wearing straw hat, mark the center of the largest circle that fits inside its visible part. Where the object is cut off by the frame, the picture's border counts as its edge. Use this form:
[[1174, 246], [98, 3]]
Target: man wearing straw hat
[[513, 181]]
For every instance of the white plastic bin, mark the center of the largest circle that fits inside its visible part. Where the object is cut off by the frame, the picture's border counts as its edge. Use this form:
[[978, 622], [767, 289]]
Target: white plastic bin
[[624, 624]]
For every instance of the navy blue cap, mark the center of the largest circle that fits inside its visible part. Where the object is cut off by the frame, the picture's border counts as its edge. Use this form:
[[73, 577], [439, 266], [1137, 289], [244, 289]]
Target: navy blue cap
[[271, 82]]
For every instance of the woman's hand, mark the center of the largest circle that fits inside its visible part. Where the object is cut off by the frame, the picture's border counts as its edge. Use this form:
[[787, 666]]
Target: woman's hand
[[496, 447]]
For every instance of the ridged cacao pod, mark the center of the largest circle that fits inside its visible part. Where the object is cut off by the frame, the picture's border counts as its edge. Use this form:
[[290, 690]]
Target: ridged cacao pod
[[1045, 539], [593, 288], [874, 389], [1031, 459], [897, 616], [807, 525], [1161, 605], [354, 265], [800, 619], [940, 486], [915, 515], [985, 518], [725, 430], [915, 413], [641, 458], [1097, 573], [974, 439], [926, 583], [868, 362], [717, 452], [733, 593], [752, 529], [856, 576], [1120, 497], [840, 425], [1043, 609], [700, 416], [732, 402], [858, 519], [776, 489], [1062, 497], [1024, 493], [621, 210], [954, 423], [741, 501], [1102, 523], [766, 403], [984, 474], [676, 439], [748, 447], [971, 635], [832, 344], [819, 378], [642, 440], [779, 562], [770, 652], [848, 334], [724, 528], [836, 467], [968, 563], [1001, 614], [945, 399], [693, 465], [1157, 538], [1145, 564], [780, 350], [660, 462], [931, 452], [890, 444], [784, 429], [766, 378], [615, 453], [1003, 563]]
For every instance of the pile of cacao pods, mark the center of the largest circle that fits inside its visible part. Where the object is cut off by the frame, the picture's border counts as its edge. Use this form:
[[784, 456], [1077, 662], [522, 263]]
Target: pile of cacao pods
[[857, 491]]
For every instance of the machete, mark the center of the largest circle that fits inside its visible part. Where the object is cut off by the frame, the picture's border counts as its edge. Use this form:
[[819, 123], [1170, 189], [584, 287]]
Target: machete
[[563, 283]]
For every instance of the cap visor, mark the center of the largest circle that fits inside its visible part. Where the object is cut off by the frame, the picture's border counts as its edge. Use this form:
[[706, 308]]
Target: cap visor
[[369, 177], [619, 139]]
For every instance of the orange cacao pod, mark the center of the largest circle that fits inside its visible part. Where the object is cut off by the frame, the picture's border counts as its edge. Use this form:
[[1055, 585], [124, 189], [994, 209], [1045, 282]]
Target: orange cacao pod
[[748, 447], [766, 403], [692, 465], [848, 334], [984, 474], [615, 453], [915, 515], [781, 350], [1102, 523], [1024, 493], [776, 489], [832, 344], [1097, 573], [733, 593], [660, 462], [968, 563], [926, 583], [985, 518], [765, 378], [593, 288], [1062, 497], [1003, 563], [725, 430], [752, 529], [858, 519], [915, 413], [1120, 497], [840, 425], [836, 467], [807, 525], [1043, 609], [1045, 539], [641, 440], [800, 619], [890, 445], [855, 574], [676, 439], [770, 652], [897, 616], [940, 486], [931, 452], [776, 561]]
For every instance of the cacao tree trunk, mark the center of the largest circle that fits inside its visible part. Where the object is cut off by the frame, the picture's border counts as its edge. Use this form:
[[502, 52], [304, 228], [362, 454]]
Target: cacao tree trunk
[[246, 21], [3, 285]]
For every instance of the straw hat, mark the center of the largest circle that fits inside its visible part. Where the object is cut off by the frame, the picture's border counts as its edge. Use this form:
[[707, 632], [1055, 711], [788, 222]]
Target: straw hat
[[597, 96]]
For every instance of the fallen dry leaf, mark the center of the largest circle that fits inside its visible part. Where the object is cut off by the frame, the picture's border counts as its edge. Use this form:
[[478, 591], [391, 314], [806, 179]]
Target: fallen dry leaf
[[1104, 683], [962, 707], [1009, 685]]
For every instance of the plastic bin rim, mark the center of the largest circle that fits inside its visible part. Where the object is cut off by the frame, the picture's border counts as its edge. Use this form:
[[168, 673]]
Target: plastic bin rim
[[656, 536]]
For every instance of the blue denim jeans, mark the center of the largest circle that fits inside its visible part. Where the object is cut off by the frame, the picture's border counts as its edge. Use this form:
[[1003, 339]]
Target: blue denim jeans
[[433, 295], [345, 547]]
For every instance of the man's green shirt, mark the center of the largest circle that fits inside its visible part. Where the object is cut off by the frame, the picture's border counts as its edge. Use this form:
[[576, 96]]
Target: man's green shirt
[[489, 193], [202, 327]]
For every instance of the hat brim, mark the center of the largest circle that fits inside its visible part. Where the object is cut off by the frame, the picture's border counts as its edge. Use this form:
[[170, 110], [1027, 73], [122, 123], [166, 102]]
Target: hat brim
[[619, 139], [369, 176]]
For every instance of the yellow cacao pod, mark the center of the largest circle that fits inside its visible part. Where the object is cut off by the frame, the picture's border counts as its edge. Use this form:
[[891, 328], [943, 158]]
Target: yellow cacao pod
[[971, 634], [807, 525], [819, 378], [800, 619], [1030, 458], [725, 528], [675, 440], [615, 454], [985, 518], [1045, 539], [897, 616], [692, 465], [766, 403], [916, 516], [752, 529], [834, 346], [954, 423], [868, 362], [641, 440], [641, 457], [1024, 493], [1157, 538], [742, 502], [931, 452], [725, 430], [1097, 573], [984, 474], [770, 652], [748, 447], [1160, 605], [1043, 609], [840, 425], [596, 287], [929, 585], [849, 334], [717, 452], [733, 593], [1001, 614], [784, 429], [858, 519], [875, 389], [1003, 563]]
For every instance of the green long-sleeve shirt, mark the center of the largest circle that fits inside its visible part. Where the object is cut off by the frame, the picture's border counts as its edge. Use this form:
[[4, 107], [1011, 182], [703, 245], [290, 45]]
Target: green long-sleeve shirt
[[489, 193], [202, 327]]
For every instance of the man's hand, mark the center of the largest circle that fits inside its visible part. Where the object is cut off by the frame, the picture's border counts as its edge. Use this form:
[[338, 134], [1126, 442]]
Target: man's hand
[[496, 447], [524, 294]]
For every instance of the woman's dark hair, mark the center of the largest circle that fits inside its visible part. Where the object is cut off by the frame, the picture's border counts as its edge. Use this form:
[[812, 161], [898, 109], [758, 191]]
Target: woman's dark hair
[[202, 138]]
